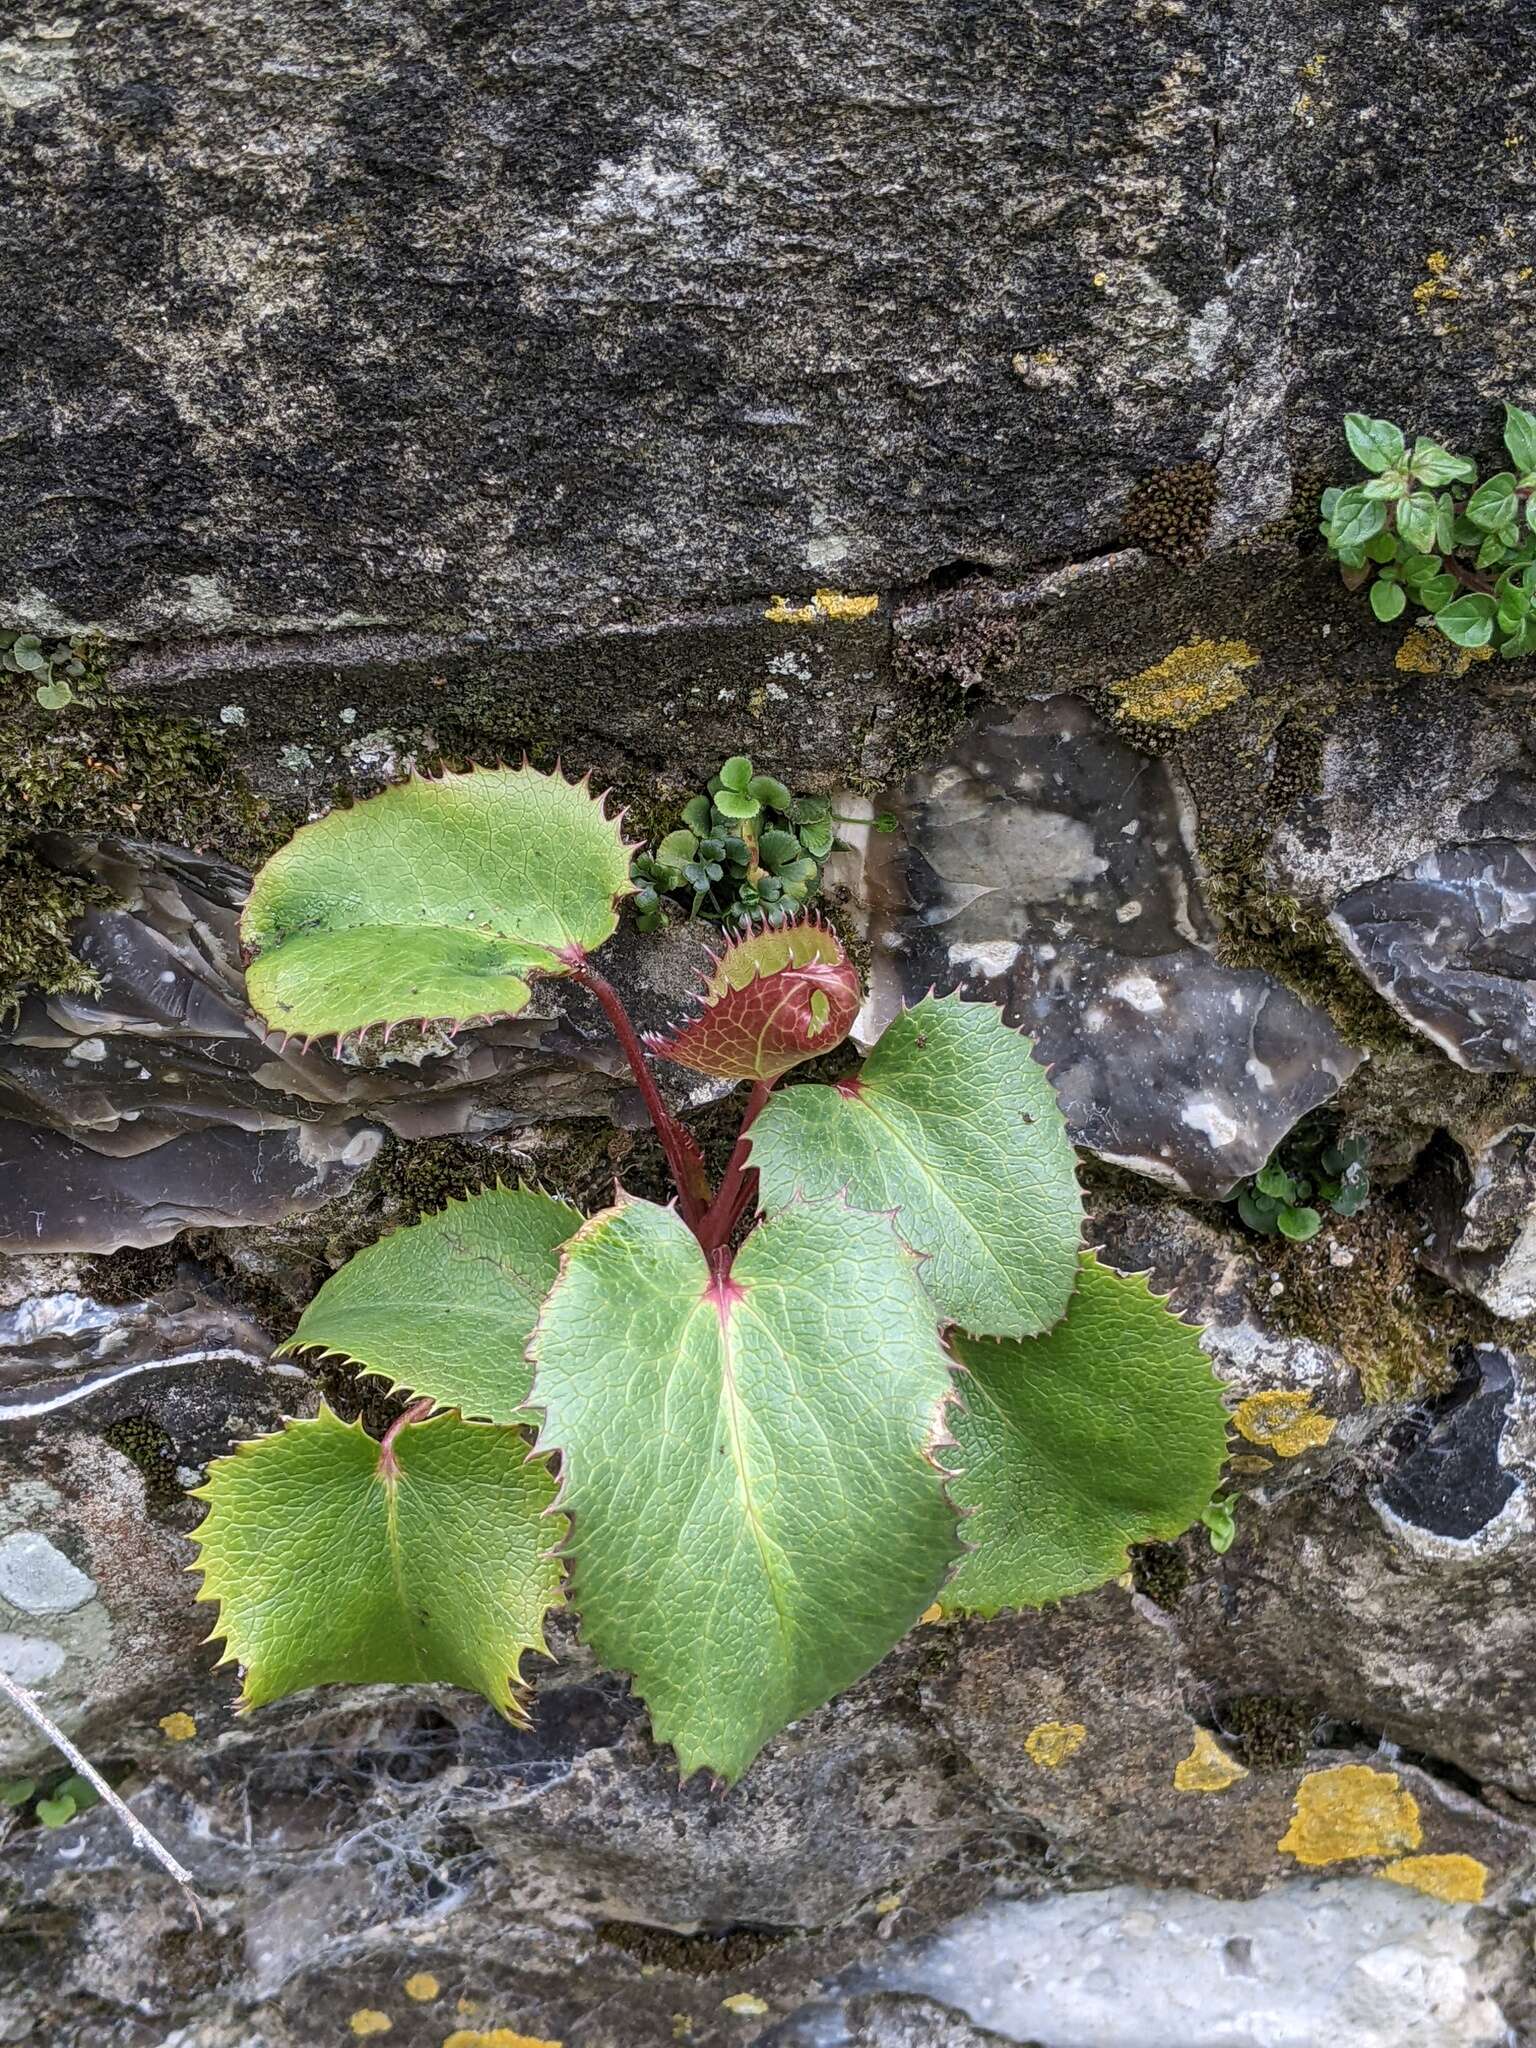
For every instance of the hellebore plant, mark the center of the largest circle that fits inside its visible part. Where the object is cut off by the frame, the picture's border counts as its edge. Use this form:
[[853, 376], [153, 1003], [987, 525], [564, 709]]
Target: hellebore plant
[[759, 1432]]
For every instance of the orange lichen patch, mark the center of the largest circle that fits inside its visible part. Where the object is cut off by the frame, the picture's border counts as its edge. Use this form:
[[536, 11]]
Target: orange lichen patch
[[824, 604], [1187, 685], [745, 2004], [1050, 1743], [497, 2037], [1207, 1768], [177, 1727], [1425, 652], [1283, 1422], [422, 1987], [1458, 1880], [1350, 1812], [366, 2021]]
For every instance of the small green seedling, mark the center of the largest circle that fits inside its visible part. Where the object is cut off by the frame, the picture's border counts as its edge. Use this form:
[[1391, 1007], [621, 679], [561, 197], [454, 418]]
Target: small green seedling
[[53, 1808], [1280, 1199], [747, 852], [1220, 1520], [1422, 531], [55, 666], [734, 1416]]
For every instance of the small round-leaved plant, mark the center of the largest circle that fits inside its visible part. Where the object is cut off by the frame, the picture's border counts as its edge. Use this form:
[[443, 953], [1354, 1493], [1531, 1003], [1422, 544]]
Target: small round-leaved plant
[[752, 1435], [1422, 531]]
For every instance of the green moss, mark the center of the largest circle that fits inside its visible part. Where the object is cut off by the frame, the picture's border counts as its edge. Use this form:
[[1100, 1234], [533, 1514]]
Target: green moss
[[152, 1453], [103, 764], [691, 1955], [1268, 1733], [1292, 941], [1162, 1572]]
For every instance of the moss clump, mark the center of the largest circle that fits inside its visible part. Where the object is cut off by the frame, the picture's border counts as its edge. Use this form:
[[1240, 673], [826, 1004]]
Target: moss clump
[[1294, 942], [1268, 1733], [1169, 513], [102, 764], [691, 1955], [152, 1453], [1161, 1571]]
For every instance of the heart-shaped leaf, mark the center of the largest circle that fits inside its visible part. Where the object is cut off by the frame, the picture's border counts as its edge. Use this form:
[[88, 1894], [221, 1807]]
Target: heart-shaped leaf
[[747, 1463], [1107, 1431], [776, 997], [56, 1812], [446, 1306], [336, 1560], [433, 900], [951, 1123]]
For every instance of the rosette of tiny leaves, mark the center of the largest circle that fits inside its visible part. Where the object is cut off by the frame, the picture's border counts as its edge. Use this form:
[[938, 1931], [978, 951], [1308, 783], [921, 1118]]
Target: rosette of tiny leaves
[[54, 667], [1422, 531], [1311, 1167], [746, 852]]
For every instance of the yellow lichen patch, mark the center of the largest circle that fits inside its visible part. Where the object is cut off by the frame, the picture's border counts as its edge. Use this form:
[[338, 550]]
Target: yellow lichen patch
[[824, 604], [743, 2002], [930, 1615], [1349, 1812], [1050, 1743], [889, 1903], [366, 2021], [1314, 67], [422, 1987], [1285, 1423], [1207, 1768], [1428, 653], [1187, 685], [177, 1727], [496, 2037], [1458, 1880], [1434, 286], [1436, 262]]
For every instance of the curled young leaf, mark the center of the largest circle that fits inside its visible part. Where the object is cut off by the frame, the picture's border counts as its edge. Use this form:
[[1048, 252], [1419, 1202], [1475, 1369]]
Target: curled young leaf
[[776, 997], [435, 899]]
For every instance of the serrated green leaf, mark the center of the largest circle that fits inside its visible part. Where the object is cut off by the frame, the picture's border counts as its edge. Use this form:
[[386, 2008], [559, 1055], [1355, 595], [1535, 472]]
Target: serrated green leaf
[[731, 803], [735, 773], [770, 791], [677, 848], [335, 1563], [1493, 504], [951, 1122], [1107, 1431], [755, 1517], [432, 900], [696, 813], [446, 1306], [1376, 444], [1520, 437]]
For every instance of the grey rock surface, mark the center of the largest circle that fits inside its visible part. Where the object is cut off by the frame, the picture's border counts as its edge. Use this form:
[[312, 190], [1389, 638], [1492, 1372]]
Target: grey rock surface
[[1047, 865]]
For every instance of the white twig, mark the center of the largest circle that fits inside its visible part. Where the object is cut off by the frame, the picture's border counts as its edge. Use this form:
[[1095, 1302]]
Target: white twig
[[24, 1703]]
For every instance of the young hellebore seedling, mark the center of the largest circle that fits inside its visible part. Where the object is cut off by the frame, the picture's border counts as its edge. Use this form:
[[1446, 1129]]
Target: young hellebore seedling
[[1421, 530], [754, 1434]]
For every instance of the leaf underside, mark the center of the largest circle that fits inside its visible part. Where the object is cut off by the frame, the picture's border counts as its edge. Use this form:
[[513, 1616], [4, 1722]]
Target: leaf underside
[[329, 1571], [755, 1517], [446, 1306], [1108, 1430], [434, 900], [952, 1124], [775, 998]]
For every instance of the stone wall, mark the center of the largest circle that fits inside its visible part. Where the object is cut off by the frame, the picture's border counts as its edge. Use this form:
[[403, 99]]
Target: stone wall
[[931, 402]]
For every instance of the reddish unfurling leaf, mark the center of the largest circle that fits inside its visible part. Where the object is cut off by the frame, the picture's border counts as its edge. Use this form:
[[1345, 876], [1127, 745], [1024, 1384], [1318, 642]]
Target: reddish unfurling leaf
[[775, 998]]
